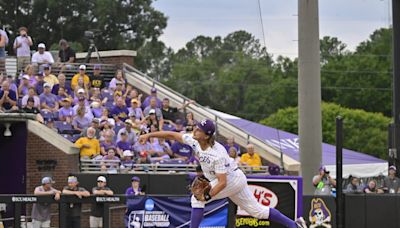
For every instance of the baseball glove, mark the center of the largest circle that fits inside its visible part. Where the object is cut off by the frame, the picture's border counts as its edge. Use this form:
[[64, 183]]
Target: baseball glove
[[200, 186]]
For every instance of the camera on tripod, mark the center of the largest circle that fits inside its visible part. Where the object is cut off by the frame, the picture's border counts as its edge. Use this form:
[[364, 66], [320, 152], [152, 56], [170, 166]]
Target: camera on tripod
[[90, 35]]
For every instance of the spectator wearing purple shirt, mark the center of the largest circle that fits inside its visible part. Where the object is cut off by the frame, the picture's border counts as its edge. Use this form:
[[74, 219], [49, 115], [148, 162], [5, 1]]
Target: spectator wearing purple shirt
[[127, 161], [132, 94], [66, 113], [97, 109], [158, 151], [110, 162], [31, 93], [153, 106], [13, 86], [61, 95], [39, 86], [80, 122], [135, 110], [62, 83], [135, 188], [182, 151], [81, 93], [153, 94], [230, 142], [29, 71], [107, 143], [119, 77], [48, 100], [119, 111], [22, 45], [23, 86], [123, 144], [8, 98]]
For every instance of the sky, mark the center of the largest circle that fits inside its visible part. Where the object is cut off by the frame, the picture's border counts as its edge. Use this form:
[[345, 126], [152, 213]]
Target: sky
[[352, 21]]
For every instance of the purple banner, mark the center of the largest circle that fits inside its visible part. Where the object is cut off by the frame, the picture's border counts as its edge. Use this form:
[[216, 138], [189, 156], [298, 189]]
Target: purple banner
[[288, 143]]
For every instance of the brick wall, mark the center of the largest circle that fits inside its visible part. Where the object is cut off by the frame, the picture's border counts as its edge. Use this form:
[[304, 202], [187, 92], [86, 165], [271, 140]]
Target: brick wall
[[42, 152], [38, 150], [40, 158]]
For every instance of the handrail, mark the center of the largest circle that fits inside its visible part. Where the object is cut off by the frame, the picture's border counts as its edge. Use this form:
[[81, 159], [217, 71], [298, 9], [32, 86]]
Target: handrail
[[88, 166], [203, 112], [184, 97]]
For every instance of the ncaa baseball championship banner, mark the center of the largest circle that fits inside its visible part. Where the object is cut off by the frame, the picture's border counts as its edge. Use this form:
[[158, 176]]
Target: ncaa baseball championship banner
[[283, 193], [172, 212]]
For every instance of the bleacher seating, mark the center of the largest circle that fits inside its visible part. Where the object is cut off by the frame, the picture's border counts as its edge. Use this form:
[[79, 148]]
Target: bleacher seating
[[66, 129]]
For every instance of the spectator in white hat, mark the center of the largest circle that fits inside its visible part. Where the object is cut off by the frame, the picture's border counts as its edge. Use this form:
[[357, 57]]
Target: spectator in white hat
[[23, 86], [391, 183], [127, 161], [81, 74], [97, 211], [82, 102], [41, 211], [42, 56], [129, 131]]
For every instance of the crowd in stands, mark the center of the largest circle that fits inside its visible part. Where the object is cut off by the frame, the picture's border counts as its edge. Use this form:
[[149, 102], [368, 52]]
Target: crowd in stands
[[324, 183], [104, 119]]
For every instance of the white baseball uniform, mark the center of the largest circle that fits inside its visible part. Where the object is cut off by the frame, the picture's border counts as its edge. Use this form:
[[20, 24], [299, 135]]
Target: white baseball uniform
[[214, 160]]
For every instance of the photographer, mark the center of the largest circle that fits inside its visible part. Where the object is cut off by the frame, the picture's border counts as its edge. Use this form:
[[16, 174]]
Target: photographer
[[323, 182], [22, 47]]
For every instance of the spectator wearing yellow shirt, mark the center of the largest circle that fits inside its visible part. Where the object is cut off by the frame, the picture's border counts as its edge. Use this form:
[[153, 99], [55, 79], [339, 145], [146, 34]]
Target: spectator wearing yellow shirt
[[250, 158], [48, 76], [81, 74], [89, 145]]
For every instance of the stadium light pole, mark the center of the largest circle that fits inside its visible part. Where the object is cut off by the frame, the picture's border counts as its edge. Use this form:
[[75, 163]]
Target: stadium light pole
[[309, 92], [396, 79]]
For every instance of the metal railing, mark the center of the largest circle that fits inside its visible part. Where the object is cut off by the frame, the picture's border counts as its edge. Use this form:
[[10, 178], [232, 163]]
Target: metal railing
[[70, 69], [223, 127], [114, 166]]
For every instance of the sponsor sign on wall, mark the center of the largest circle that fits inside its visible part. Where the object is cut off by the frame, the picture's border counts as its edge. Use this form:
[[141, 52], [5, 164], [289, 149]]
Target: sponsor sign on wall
[[172, 212], [282, 193]]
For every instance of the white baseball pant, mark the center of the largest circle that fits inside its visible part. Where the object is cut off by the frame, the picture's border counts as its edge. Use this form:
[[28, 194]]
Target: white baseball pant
[[238, 191]]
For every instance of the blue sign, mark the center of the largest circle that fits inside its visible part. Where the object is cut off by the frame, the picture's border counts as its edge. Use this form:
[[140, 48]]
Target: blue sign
[[149, 205], [144, 212]]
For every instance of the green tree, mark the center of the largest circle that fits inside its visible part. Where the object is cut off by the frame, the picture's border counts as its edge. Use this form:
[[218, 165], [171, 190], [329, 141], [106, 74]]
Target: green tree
[[234, 74], [155, 59], [119, 24], [363, 131], [361, 79]]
